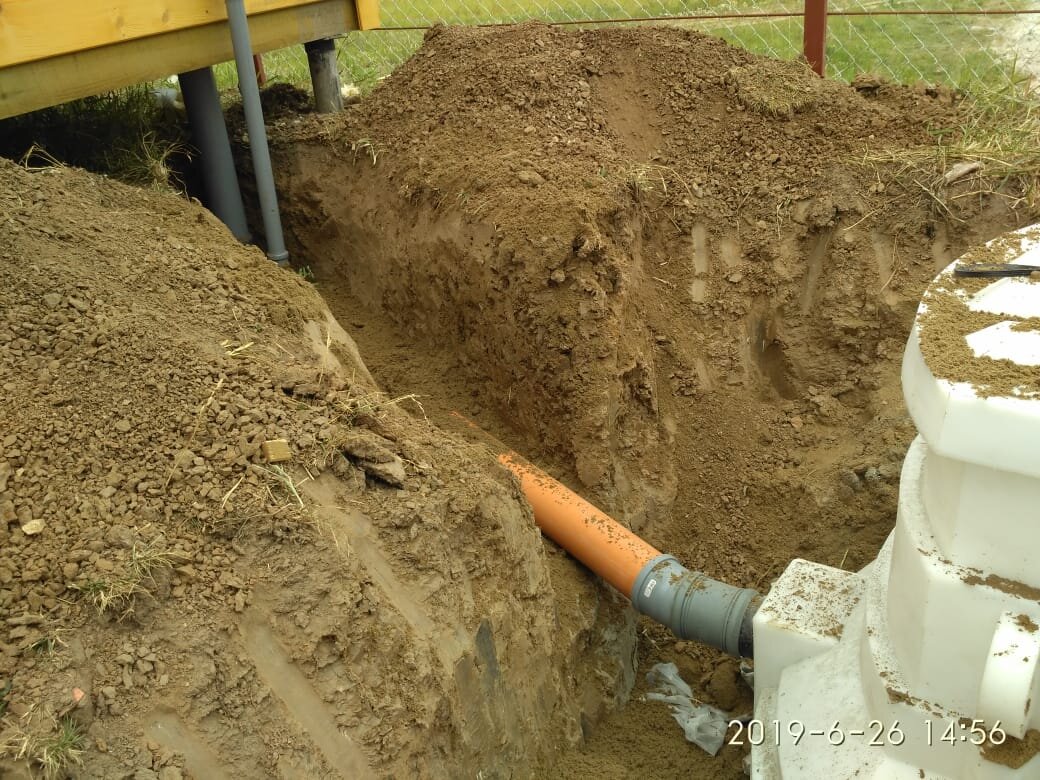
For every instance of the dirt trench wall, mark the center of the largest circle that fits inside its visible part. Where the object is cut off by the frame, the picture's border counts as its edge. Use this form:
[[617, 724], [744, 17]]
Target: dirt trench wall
[[381, 604], [545, 325], [584, 344], [683, 274]]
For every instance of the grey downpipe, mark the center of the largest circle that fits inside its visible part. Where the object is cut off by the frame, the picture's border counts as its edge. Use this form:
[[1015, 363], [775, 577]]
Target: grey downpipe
[[261, 155], [696, 607], [209, 133]]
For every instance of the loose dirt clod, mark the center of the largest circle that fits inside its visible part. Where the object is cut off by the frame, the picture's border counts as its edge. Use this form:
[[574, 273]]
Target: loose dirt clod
[[276, 451], [775, 89]]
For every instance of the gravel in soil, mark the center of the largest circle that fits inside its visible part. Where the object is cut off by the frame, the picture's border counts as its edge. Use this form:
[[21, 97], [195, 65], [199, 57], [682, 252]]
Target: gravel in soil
[[174, 604]]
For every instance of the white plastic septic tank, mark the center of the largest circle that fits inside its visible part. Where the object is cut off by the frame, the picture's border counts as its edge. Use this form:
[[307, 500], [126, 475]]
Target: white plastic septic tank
[[925, 663]]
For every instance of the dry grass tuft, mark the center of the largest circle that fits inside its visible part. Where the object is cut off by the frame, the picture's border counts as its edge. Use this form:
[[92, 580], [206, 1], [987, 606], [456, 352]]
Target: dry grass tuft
[[357, 406], [36, 158], [287, 485], [53, 754], [994, 152], [775, 88], [147, 162], [651, 185], [117, 594], [274, 506], [363, 147]]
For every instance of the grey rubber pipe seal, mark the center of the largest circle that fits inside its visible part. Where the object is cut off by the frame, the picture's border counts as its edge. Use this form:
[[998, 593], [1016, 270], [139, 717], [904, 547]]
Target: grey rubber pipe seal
[[696, 607]]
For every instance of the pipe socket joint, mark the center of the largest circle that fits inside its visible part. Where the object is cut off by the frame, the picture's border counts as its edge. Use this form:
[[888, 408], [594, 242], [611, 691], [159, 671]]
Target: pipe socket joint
[[696, 607]]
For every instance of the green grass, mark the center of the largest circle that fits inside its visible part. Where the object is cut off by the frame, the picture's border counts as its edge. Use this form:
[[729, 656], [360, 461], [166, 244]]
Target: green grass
[[944, 49], [53, 754], [954, 50], [124, 134], [62, 749]]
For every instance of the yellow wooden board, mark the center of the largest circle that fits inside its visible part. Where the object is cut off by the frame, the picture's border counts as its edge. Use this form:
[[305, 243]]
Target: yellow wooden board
[[38, 29], [367, 14], [32, 85]]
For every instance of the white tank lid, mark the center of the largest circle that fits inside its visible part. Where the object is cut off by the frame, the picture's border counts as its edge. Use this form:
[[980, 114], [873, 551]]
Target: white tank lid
[[971, 370]]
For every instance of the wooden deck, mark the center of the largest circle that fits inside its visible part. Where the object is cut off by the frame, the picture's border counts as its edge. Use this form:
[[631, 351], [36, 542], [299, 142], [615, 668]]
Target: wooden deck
[[52, 51]]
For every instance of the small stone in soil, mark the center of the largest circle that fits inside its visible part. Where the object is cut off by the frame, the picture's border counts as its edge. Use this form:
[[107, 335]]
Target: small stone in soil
[[532, 178]]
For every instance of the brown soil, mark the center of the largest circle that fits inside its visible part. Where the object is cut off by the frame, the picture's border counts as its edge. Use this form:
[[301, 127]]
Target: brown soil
[[646, 259], [195, 611], [635, 270], [653, 263], [948, 320]]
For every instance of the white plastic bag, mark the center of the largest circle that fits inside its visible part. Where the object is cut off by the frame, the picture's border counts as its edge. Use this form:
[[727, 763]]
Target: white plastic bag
[[703, 725]]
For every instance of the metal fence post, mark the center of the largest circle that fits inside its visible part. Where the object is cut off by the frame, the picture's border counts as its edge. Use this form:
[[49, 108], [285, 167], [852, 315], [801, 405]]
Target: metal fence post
[[814, 34], [261, 73]]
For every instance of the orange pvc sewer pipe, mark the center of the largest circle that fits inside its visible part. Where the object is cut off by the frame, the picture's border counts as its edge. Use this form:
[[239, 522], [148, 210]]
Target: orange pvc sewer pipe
[[590, 535], [691, 604]]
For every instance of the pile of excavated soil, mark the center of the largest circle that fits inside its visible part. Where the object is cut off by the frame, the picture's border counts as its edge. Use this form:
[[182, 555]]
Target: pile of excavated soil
[[176, 603], [659, 258], [659, 265]]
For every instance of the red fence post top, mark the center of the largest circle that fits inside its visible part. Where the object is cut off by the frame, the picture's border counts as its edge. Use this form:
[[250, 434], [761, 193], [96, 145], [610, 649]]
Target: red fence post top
[[815, 34]]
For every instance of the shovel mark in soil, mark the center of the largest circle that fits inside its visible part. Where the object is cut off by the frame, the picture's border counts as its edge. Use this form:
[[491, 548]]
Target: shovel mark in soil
[[731, 252], [941, 253], [766, 350], [701, 262], [167, 729], [814, 269], [703, 374], [295, 691], [884, 252]]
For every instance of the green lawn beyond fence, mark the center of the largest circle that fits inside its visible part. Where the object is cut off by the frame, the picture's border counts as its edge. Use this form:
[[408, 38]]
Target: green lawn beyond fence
[[958, 50]]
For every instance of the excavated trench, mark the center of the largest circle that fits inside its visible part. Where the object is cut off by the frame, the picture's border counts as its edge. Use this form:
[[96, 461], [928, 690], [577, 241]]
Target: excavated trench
[[684, 299]]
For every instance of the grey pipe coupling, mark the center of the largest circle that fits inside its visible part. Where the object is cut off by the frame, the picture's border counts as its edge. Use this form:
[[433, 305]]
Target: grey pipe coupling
[[696, 607]]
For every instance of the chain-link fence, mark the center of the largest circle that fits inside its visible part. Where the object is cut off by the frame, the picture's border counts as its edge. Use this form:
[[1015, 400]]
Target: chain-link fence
[[955, 42]]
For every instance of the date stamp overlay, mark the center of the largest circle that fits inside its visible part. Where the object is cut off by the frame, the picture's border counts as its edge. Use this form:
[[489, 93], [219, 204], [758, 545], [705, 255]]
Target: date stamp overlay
[[875, 734]]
